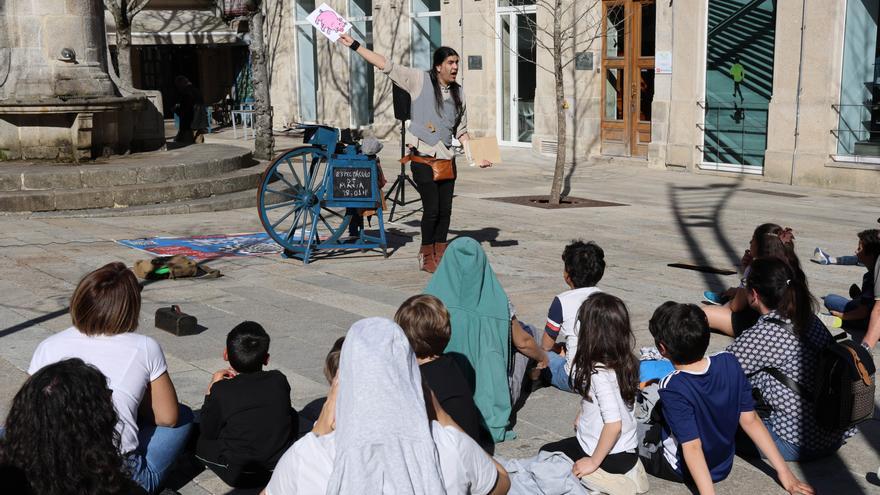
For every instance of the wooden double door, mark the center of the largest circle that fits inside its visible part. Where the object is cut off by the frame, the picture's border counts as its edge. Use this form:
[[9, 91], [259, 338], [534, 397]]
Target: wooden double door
[[628, 36]]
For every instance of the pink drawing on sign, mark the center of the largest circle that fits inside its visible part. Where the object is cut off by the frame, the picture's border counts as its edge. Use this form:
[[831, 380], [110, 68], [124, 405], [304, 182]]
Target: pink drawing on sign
[[329, 22]]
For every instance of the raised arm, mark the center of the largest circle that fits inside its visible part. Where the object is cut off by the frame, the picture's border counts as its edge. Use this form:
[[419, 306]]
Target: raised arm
[[370, 56]]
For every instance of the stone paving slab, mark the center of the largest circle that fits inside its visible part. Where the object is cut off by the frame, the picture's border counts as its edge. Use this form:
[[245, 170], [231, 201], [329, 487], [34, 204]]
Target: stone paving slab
[[670, 217]]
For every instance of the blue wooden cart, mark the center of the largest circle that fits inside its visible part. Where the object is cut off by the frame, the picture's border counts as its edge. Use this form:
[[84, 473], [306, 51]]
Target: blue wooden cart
[[309, 194]]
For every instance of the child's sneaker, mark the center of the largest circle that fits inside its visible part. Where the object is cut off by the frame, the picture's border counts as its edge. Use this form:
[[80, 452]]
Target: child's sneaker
[[821, 257], [713, 297], [612, 484], [829, 320]]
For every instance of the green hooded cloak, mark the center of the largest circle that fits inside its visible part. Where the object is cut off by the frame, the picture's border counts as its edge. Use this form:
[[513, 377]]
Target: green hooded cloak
[[480, 316]]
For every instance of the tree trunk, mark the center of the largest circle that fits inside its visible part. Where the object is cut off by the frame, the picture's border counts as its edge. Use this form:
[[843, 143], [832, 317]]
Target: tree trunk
[[264, 145], [559, 170], [123, 51]]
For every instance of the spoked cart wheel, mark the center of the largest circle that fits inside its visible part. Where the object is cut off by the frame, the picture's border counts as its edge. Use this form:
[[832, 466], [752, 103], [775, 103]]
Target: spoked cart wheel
[[290, 204], [297, 199]]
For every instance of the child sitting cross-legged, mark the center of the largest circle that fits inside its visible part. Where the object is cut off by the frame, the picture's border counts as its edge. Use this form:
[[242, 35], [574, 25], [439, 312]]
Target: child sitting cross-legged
[[702, 403], [584, 266], [247, 422], [606, 377]]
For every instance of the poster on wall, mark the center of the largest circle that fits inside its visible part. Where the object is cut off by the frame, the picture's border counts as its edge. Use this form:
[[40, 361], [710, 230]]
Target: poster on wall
[[663, 63], [328, 22]]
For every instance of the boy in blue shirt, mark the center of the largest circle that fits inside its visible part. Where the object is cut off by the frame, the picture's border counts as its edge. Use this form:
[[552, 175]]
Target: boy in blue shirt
[[703, 402]]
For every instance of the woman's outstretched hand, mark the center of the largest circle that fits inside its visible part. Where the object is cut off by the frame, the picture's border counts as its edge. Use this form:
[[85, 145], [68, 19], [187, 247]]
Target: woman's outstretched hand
[[346, 40]]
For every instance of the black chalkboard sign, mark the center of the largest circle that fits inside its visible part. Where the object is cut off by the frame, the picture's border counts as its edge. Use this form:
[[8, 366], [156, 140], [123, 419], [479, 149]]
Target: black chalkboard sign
[[353, 183]]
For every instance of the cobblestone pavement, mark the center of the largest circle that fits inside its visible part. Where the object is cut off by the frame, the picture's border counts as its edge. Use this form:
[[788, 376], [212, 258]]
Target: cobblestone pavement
[[667, 217]]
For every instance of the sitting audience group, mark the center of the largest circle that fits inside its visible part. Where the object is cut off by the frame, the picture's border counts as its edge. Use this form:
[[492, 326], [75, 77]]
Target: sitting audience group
[[416, 405]]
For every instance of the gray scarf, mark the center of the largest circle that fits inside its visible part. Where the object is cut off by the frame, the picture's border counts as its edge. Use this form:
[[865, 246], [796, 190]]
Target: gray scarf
[[383, 437]]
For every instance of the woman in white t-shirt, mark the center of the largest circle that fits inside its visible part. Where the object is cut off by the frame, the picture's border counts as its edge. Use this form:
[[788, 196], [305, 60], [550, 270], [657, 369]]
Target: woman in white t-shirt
[[105, 308], [374, 434], [606, 375]]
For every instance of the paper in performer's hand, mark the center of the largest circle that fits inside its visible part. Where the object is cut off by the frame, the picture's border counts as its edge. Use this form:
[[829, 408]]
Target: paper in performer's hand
[[328, 22], [479, 149]]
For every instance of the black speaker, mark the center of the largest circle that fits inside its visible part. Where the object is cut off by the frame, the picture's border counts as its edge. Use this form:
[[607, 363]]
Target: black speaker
[[402, 103]]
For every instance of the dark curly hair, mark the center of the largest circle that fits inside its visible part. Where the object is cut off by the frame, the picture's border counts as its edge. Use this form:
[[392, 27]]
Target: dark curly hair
[[605, 341], [584, 262], [61, 434]]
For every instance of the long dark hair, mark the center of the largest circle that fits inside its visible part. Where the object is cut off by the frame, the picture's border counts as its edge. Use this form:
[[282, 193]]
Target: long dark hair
[[61, 433], [781, 290], [440, 56], [772, 240], [605, 340]]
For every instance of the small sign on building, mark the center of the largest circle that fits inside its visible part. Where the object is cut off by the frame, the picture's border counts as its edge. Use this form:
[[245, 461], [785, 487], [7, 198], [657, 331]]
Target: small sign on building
[[663, 63], [583, 61], [475, 62]]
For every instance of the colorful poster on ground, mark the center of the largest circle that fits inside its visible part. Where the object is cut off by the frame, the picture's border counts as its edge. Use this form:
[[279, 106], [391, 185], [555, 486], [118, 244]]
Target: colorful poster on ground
[[207, 246], [328, 22]]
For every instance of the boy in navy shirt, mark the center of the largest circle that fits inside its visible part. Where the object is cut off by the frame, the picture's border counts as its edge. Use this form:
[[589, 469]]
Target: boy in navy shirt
[[703, 402]]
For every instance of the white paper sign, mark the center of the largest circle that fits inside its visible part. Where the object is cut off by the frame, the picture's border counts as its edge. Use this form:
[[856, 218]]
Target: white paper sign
[[328, 22], [663, 63]]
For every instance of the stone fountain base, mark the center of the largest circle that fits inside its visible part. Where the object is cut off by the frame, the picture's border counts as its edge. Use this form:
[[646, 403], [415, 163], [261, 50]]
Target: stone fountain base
[[75, 129]]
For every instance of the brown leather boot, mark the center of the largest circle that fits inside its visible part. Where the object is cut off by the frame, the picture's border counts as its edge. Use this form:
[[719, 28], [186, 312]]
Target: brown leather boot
[[426, 258], [439, 249]]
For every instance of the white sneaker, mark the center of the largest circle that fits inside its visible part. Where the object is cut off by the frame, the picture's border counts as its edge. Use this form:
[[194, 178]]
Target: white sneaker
[[821, 257], [639, 477], [611, 484]]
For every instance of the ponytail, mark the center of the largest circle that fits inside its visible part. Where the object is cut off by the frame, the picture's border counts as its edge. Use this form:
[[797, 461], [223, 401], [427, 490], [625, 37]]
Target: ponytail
[[781, 289], [797, 304]]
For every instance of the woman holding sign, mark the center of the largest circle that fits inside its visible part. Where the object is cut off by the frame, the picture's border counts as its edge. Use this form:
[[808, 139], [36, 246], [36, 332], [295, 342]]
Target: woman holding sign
[[438, 114]]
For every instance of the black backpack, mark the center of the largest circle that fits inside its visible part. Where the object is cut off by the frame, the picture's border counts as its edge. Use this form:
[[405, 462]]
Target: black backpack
[[844, 393]]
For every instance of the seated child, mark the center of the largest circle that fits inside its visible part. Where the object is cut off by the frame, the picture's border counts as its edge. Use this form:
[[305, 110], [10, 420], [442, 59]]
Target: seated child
[[311, 411], [604, 449], [584, 266], [702, 403], [856, 313], [425, 322], [247, 422]]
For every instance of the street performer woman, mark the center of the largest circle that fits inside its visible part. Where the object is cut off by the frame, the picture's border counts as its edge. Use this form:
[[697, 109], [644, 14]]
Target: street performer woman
[[438, 113]]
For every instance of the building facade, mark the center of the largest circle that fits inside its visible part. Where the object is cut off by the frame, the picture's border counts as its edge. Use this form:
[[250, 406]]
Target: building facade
[[780, 90]]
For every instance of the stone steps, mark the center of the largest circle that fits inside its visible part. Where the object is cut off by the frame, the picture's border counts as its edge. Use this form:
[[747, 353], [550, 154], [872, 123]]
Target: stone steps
[[196, 178]]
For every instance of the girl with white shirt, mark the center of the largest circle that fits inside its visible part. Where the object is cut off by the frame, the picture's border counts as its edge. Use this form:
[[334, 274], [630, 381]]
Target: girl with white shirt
[[153, 426], [606, 375]]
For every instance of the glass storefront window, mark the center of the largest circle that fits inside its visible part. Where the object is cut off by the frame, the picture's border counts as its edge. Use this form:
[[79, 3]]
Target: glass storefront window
[[740, 48], [307, 62], [361, 72], [426, 34], [858, 129]]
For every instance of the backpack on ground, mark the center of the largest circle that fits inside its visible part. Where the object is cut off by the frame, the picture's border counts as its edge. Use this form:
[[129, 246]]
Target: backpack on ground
[[844, 393]]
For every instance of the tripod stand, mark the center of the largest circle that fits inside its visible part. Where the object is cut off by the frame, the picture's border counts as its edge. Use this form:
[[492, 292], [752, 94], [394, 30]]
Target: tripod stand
[[399, 186]]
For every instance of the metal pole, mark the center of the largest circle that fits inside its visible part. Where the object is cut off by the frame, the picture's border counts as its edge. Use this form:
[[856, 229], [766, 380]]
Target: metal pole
[[797, 106]]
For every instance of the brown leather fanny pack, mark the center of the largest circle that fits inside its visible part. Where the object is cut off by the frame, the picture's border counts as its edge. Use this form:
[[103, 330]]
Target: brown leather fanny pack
[[443, 169]]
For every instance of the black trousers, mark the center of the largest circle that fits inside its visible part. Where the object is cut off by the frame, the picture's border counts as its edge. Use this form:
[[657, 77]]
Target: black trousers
[[235, 475], [436, 203], [618, 463]]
